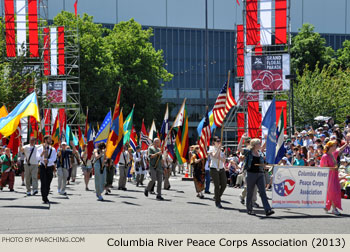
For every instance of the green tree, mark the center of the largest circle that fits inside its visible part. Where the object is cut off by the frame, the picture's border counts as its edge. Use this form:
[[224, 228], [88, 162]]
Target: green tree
[[308, 49], [122, 57], [322, 92]]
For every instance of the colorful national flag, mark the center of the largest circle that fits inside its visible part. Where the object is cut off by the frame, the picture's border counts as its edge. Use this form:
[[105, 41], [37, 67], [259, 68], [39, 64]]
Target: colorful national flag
[[86, 124], [133, 139], [145, 141], [3, 113], [165, 125], [280, 149], [56, 134], [128, 126], [80, 138], [201, 123], [205, 136], [90, 141], [269, 122], [152, 134], [103, 133], [28, 107], [180, 125], [224, 102]]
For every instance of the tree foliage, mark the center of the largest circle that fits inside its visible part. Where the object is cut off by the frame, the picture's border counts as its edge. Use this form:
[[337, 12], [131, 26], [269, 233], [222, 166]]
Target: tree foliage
[[122, 57]]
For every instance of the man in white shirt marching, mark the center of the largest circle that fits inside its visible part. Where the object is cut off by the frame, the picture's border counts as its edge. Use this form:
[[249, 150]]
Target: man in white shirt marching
[[31, 166], [123, 168]]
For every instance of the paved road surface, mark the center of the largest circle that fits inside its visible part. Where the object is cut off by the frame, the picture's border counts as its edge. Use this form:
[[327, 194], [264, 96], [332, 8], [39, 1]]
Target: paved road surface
[[131, 212]]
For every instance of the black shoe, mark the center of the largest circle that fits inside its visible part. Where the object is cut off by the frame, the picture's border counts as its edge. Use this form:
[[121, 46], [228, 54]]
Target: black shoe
[[106, 193], [160, 198], [137, 184], [124, 189], [153, 193], [256, 205], [87, 189], [269, 212], [251, 212], [146, 193], [207, 192], [218, 205], [141, 183], [46, 202], [35, 193], [108, 190], [12, 190], [242, 200], [120, 188], [201, 197]]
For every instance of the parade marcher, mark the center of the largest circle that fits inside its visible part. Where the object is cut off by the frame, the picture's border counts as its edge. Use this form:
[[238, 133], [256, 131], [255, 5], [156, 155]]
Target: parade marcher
[[63, 166], [217, 170], [333, 190], [123, 168], [110, 170], [167, 163], [99, 169], [47, 156], [31, 166], [86, 166], [75, 162], [140, 166], [130, 165], [20, 164], [207, 176], [198, 164], [156, 168], [7, 169], [254, 165]]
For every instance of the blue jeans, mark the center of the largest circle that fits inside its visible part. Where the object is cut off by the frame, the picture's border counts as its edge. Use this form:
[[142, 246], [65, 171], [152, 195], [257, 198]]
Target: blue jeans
[[207, 180]]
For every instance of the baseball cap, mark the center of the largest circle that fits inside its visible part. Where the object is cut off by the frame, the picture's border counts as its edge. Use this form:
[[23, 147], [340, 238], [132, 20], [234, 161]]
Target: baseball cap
[[285, 158], [63, 143], [322, 135]]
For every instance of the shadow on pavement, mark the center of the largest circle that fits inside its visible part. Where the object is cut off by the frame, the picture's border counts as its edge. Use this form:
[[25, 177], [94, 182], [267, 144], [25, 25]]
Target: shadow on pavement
[[29, 207], [106, 200], [130, 203], [8, 198], [197, 203], [127, 197]]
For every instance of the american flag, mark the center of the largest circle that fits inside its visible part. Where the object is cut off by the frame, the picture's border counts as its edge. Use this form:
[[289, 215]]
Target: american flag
[[205, 136], [223, 104]]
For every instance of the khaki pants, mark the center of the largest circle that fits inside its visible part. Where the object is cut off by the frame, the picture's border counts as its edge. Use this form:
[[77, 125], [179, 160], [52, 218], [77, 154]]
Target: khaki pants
[[123, 173], [240, 179], [139, 178], [167, 172], [220, 181], [62, 174], [74, 171], [31, 176], [156, 175]]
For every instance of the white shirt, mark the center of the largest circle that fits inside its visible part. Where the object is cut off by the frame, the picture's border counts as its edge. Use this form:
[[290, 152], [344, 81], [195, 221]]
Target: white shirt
[[214, 161], [124, 158], [51, 160], [27, 150]]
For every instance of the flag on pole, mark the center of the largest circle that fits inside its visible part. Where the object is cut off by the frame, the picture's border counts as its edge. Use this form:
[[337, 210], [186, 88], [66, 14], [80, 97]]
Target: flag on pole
[[205, 137], [269, 122], [80, 138], [145, 141], [90, 142], [15, 140], [181, 142], [133, 141], [280, 149], [165, 125], [224, 102], [103, 133], [238, 2], [211, 121], [152, 132], [86, 123], [76, 8], [128, 126], [56, 134], [28, 107]]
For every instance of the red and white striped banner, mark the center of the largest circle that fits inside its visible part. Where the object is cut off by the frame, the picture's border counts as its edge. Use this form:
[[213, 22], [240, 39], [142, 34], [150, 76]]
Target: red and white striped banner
[[252, 22], [54, 59], [240, 51], [281, 22], [16, 27]]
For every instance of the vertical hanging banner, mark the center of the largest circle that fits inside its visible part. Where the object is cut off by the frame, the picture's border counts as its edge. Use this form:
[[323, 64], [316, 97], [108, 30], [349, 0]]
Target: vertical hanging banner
[[240, 125], [299, 187], [55, 91], [21, 27], [251, 22], [240, 51], [279, 106], [10, 28], [47, 70], [258, 48], [254, 119], [53, 50], [281, 22], [265, 22], [61, 64], [33, 28], [47, 118], [266, 73]]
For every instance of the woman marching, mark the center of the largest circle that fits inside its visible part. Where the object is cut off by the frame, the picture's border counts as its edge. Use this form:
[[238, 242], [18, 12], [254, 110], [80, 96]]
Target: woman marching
[[254, 165], [99, 168], [198, 172], [333, 191], [86, 166]]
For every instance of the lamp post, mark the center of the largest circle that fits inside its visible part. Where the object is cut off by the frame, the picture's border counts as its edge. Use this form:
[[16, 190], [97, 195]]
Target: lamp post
[[291, 77], [206, 45]]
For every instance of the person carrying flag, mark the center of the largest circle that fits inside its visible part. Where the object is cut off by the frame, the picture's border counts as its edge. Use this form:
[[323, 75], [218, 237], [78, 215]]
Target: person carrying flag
[[156, 168], [167, 165], [123, 168], [140, 166], [31, 166], [86, 166]]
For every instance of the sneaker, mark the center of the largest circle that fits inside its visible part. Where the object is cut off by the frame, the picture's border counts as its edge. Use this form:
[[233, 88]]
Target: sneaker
[[35, 192], [63, 193], [100, 198], [146, 193], [269, 212], [29, 194], [160, 198], [336, 212]]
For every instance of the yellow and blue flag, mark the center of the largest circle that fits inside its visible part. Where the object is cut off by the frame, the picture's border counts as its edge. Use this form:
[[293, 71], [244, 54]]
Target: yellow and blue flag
[[103, 133], [28, 107], [211, 121]]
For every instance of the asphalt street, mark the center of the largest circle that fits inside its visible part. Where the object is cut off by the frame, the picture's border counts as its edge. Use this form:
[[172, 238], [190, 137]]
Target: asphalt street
[[129, 212]]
